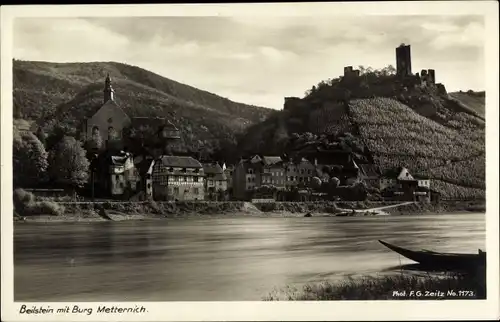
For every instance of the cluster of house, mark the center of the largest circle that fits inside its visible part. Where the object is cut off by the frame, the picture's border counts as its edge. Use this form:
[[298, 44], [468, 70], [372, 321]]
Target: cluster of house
[[133, 161], [149, 172]]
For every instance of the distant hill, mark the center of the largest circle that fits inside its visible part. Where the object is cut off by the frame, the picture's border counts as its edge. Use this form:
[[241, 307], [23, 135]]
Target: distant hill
[[64, 93], [473, 100], [418, 128]]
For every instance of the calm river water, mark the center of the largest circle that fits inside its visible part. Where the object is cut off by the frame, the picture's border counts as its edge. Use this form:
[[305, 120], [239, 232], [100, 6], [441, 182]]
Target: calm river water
[[219, 259]]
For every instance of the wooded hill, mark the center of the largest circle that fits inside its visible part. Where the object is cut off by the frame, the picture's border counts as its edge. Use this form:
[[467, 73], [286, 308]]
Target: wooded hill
[[62, 94], [391, 123]]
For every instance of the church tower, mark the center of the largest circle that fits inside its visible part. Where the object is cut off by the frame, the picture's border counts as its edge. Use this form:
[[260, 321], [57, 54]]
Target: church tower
[[109, 92]]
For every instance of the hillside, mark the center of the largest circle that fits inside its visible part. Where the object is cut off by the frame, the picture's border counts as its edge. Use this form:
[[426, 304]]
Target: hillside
[[473, 100], [454, 156], [421, 129], [64, 93]]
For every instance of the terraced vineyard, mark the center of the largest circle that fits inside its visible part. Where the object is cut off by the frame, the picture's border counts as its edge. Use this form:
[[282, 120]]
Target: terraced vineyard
[[330, 119], [451, 155]]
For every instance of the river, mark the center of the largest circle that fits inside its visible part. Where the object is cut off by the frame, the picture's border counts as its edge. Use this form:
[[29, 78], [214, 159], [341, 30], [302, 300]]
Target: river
[[219, 259]]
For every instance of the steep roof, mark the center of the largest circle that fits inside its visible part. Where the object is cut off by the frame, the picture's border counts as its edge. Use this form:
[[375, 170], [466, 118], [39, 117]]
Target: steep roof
[[271, 160], [120, 159], [212, 168], [96, 107], [180, 162], [369, 170], [153, 122], [215, 170]]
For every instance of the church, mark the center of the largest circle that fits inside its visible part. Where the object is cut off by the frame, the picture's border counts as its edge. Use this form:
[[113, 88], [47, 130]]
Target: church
[[129, 144], [118, 130]]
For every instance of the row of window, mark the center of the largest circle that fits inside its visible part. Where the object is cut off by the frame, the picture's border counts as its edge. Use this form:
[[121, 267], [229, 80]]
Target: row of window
[[163, 168], [273, 181], [176, 191], [164, 178], [282, 173], [288, 179], [216, 182]]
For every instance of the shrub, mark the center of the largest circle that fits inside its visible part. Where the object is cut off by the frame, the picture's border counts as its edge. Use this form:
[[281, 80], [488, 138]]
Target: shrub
[[46, 208], [25, 205], [22, 199]]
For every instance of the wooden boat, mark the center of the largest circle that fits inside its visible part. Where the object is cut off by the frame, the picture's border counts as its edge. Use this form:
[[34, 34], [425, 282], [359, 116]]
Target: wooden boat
[[444, 260]]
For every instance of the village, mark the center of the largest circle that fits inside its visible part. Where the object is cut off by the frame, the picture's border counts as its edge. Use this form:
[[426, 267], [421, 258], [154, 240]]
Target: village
[[134, 159]]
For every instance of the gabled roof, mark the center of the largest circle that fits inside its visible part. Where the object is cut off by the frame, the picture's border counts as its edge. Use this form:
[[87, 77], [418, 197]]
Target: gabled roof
[[272, 160], [212, 168], [405, 174], [120, 159], [95, 108], [153, 122], [369, 170], [215, 170], [180, 162]]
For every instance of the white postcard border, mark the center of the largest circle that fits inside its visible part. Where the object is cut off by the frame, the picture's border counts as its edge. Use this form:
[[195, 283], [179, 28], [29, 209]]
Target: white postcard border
[[253, 311]]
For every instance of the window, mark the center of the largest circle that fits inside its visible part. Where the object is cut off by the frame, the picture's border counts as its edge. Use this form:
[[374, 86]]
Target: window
[[149, 185], [111, 133], [176, 190], [117, 177], [185, 179], [195, 179], [196, 191]]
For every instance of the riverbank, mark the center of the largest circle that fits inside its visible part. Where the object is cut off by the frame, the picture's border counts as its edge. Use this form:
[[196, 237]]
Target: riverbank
[[118, 211], [451, 286]]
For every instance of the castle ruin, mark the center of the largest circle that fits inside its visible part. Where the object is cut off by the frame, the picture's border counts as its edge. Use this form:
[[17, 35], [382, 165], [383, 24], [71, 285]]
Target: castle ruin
[[403, 60]]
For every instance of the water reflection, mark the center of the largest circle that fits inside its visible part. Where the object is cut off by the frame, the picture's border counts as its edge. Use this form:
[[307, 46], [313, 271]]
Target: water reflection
[[219, 259]]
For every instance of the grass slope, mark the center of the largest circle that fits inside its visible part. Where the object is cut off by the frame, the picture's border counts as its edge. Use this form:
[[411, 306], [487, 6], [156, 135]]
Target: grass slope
[[65, 92], [473, 100]]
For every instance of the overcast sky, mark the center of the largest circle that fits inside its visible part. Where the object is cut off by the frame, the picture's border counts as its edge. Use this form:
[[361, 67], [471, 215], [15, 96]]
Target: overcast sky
[[261, 60]]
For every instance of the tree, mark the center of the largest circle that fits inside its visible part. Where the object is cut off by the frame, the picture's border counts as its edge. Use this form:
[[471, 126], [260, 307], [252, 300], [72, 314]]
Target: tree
[[29, 159], [58, 132], [334, 182], [68, 164], [315, 183], [40, 134]]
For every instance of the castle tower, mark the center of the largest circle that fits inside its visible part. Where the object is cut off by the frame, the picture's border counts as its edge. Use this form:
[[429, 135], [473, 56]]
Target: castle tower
[[403, 60], [109, 92]]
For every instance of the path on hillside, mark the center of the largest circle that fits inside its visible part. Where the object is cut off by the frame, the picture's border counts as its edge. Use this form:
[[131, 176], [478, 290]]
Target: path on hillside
[[379, 208]]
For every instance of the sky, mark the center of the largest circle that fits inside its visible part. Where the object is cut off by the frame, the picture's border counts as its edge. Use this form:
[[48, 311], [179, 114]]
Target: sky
[[261, 60]]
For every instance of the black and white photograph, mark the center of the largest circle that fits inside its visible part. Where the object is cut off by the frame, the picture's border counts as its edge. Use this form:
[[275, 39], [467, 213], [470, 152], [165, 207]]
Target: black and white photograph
[[258, 156]]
